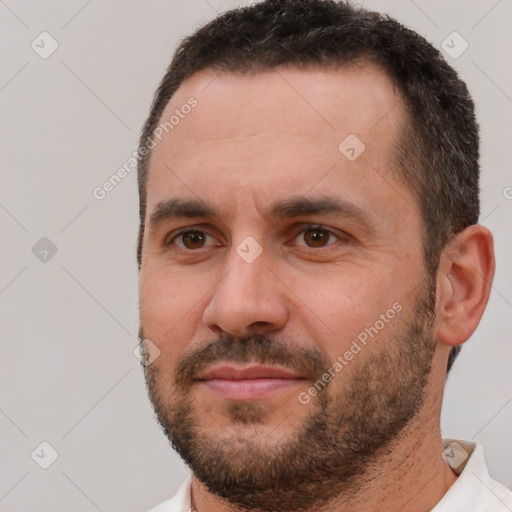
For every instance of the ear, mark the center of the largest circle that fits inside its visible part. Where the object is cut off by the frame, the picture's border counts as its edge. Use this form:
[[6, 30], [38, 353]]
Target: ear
[[464, 279]]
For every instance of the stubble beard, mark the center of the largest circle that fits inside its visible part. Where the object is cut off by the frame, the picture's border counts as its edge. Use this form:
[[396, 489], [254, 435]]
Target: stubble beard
[[344, 433]]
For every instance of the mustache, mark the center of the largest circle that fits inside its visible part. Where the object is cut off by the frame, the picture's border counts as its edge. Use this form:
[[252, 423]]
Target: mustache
[[255, 348]]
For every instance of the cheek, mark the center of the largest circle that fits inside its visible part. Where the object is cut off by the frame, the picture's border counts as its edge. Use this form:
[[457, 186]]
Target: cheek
[[343, 304], [170, 306]]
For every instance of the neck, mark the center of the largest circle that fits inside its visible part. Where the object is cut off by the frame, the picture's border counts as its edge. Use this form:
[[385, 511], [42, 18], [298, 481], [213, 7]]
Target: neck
[[413, 478]]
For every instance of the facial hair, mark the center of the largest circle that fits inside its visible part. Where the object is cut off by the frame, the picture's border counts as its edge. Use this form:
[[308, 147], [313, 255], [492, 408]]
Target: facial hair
[[352, 422]]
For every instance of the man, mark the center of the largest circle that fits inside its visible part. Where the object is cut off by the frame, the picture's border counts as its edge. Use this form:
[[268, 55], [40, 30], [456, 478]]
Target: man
[[310, 264]]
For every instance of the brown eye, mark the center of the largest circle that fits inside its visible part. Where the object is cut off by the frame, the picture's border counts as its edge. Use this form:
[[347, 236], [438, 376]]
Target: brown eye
[[192, 240], [316, 237]]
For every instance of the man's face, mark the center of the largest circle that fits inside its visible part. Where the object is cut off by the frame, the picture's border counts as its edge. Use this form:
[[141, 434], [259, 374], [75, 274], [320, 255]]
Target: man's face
[[307, 257]]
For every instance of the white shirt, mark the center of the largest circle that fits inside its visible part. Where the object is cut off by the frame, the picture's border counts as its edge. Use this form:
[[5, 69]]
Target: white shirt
[[473, 491]]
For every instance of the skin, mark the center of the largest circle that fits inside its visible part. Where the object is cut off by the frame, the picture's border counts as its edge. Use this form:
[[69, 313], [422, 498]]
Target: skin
[[256, 139]]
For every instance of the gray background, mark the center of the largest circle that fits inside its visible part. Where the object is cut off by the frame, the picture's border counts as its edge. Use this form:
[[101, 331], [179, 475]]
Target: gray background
[[68, 373]]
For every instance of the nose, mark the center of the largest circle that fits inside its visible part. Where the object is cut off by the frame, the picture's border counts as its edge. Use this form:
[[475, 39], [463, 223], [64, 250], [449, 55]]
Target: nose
[[248, 299]]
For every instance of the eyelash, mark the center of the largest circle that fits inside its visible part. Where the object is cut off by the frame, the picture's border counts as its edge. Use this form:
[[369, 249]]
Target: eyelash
[[310, 227]]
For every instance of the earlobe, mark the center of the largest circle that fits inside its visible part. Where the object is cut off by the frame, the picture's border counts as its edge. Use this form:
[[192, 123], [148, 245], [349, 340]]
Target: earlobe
[[464, 279]]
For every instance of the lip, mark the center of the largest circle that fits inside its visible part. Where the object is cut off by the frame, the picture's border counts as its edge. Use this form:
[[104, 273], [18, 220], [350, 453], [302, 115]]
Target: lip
[[248, 383], [232, 372]]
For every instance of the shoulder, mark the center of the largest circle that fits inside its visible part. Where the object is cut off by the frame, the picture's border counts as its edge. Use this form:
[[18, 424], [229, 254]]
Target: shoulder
[[180, 502], [474, 490]]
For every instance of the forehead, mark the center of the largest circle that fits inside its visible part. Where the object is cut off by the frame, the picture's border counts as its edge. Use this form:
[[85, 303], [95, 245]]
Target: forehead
[[357, 99], [264, 134]]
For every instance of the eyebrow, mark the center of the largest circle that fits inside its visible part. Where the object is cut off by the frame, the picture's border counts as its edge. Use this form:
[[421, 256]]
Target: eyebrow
[[281, 209], [180, 208]]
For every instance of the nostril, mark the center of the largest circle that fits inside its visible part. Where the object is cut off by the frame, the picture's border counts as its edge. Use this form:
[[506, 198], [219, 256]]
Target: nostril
[[259, 325]]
